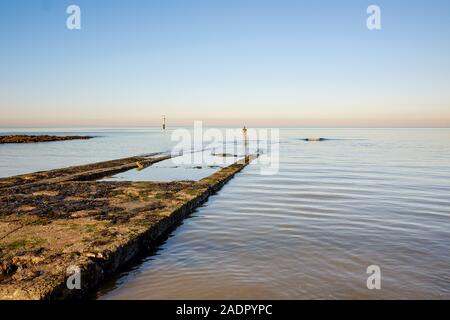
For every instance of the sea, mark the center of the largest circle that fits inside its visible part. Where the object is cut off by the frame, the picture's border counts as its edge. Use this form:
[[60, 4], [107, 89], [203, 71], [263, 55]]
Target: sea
[[360, 214]]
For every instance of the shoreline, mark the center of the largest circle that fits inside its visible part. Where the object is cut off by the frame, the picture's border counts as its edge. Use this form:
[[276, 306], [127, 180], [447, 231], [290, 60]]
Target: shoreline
[[54, 220], [22, 138]]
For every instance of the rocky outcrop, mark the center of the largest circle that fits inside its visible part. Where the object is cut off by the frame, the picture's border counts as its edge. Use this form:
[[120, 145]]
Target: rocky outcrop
[[39, 138]]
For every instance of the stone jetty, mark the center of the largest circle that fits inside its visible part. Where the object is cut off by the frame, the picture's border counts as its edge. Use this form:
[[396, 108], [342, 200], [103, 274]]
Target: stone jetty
[[60, 222]]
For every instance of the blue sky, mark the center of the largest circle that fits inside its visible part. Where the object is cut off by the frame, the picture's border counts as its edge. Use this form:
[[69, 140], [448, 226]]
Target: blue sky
[[284, 62]]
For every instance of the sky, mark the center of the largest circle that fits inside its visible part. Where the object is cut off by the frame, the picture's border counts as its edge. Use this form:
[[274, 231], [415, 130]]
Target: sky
[[226, 62]]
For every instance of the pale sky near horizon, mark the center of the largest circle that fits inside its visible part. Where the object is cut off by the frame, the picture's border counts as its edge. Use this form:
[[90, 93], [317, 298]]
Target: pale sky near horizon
[[272, 63]]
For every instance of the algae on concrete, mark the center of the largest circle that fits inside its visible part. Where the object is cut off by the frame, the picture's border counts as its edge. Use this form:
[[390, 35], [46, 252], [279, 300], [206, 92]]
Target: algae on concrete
[[51, 221]]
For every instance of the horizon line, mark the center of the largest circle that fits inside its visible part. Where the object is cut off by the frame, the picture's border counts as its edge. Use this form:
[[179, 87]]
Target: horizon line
[[222, 126]]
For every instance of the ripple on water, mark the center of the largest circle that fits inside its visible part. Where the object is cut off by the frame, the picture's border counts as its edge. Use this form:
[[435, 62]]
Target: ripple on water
[[310, 231]]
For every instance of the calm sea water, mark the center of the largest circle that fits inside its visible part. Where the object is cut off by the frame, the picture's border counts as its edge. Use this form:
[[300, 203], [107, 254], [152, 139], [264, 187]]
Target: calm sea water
[[364, 197], [108, 144]]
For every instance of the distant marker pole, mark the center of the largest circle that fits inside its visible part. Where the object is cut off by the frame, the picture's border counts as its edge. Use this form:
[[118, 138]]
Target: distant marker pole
[[164, 123], [244, 136]]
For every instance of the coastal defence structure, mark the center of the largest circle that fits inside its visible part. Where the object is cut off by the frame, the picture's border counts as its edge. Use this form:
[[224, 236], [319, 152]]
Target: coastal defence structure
[[62, 223]]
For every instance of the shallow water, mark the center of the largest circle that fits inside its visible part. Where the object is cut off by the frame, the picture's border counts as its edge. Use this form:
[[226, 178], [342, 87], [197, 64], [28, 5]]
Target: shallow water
[[181, 168], [364, 197], [108, 144]]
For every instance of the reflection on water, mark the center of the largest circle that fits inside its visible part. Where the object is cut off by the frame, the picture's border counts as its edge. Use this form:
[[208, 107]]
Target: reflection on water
[[164, 174], [178, 168], [373, 196]]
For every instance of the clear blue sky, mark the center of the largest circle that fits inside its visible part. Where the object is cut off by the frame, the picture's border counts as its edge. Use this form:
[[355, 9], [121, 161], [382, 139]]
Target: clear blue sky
[[278, 62]]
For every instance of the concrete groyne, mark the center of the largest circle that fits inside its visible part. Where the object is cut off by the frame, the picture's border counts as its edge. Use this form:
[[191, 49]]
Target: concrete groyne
[[66, 219]]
